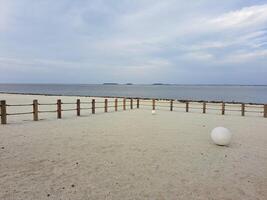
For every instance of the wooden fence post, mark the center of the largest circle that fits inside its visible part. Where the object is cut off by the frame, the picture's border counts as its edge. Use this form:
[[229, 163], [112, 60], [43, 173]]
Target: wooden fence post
[[124, 103], [171, 105], [131, 103], [137, 103], [187, 106], [116, 104], [153, 104], [106, 105], [265, 111], [93, 106], [78, 104], [223, 108], [59, 110], [3, 112], [35, 110], [204, 107], [243, 109]]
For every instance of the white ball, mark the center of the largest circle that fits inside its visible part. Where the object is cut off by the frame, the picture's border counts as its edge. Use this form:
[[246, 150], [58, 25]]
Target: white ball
[[221, 136], [153, 112]]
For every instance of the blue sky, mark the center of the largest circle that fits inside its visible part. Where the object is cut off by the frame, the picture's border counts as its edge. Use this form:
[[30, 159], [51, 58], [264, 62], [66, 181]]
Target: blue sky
[[139, 41]]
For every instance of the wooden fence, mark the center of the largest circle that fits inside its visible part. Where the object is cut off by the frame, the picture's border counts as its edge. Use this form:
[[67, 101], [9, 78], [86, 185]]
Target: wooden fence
[[155, 104]]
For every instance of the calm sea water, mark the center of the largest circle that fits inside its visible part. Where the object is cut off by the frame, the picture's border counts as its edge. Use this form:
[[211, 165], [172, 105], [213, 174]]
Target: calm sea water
[[247, 94]]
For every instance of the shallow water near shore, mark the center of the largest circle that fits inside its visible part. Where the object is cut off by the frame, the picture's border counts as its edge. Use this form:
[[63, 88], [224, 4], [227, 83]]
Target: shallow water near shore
[[246, 94]]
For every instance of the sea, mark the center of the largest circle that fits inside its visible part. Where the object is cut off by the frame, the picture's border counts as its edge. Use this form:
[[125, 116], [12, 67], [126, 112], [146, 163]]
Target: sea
[[227, 93]]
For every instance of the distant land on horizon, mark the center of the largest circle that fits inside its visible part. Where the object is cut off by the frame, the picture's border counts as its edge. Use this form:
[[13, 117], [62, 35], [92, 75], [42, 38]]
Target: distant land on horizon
[[156, 84]]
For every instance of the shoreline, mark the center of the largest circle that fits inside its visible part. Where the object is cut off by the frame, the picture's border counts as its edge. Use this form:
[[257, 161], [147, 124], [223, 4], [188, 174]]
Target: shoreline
[[144, 98]]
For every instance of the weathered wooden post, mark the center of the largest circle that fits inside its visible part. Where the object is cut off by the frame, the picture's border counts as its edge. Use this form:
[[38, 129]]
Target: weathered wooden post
[[171, 105], [106, 105], [3, 112], [153, 104], [124, 103], [204, 107], [59, 110], [243, 109], [265, 111], [116, 104], [137, 102], [223, 108], [187, 106], [78, 105], [93, 106], [35, 110], [131, 103]]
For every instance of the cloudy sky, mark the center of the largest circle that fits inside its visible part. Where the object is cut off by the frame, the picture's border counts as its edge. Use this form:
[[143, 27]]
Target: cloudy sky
[[139, 41]]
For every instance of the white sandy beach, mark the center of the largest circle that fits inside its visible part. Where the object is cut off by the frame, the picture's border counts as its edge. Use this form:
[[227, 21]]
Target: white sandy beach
[[130, 155]]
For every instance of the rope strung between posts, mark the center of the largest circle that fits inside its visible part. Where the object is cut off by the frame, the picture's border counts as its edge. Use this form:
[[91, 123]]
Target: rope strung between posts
[[47, 111], [24, 113], [130, 103], [17, 105], [47, 104]]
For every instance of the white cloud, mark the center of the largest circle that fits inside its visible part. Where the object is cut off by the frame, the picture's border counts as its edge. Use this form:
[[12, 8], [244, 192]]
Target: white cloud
[[132, 37], [247, 16]]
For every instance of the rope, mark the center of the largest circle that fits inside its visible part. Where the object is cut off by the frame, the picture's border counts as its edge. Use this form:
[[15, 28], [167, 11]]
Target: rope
[[16, 105], [212, 109], [85, 102], [232, 110], [68, 109], [85, 108], [254, 111], [25, 113], [47, 104], [259, 107], [227, 105], [111, 106], [163, 102], [195, 108], [47, 111]]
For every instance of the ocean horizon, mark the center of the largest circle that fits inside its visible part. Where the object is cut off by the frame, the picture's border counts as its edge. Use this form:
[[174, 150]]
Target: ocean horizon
[[196, 92]]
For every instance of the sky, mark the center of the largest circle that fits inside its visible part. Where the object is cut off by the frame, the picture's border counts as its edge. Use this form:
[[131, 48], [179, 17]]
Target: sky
[[137, 41]]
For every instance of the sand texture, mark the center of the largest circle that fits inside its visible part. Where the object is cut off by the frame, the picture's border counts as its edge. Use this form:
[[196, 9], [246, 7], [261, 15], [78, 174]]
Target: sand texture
[[130, 155]]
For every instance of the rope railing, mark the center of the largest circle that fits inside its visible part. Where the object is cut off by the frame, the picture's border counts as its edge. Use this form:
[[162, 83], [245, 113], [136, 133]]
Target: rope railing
[[251, 111], [83, 102], [114, 104], [17, 105], [196, 108], [23, 113], [68, 103], [223, 107], [130, 103], [47, 111], [69, 109], [249, 106], [47, 104]]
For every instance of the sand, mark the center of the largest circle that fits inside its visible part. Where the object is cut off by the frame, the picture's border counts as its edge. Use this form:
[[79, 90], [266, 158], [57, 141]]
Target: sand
[[130, 155]]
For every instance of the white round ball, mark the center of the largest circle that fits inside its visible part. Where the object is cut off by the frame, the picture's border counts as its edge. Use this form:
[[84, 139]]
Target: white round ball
[[153, 112], [221, 136]]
